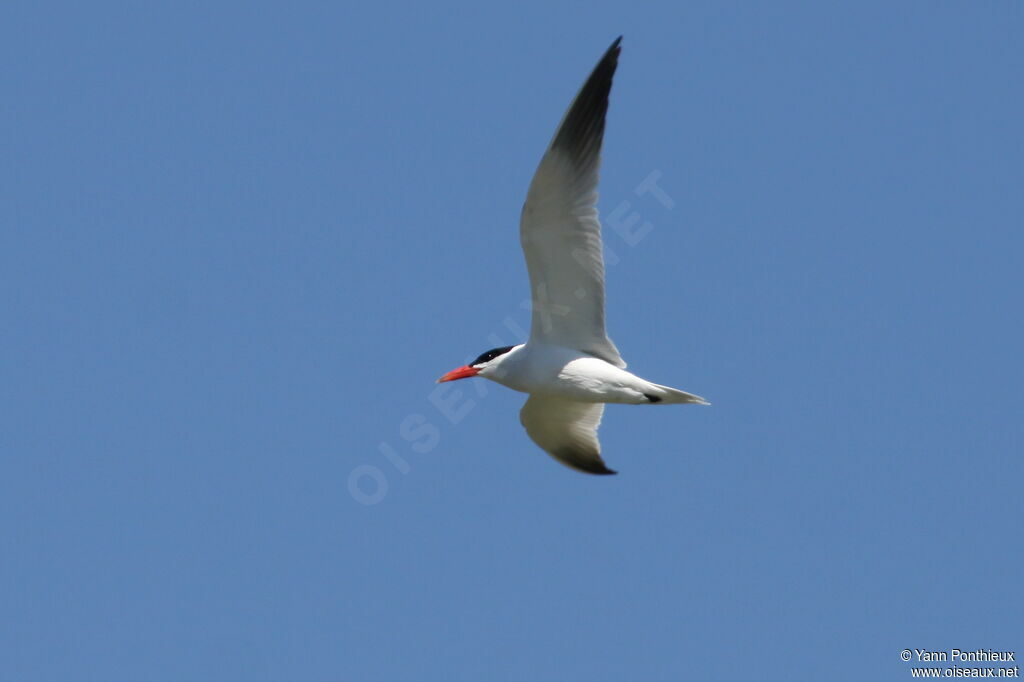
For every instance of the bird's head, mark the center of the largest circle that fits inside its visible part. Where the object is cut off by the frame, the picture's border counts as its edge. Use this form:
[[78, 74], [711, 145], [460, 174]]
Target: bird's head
[[485, 365]]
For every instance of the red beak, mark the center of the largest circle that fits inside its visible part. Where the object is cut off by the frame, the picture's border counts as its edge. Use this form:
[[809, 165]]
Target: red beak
[[459, 373]]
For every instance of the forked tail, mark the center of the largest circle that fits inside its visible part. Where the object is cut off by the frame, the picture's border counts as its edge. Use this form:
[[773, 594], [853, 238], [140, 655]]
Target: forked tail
[[673, 396]]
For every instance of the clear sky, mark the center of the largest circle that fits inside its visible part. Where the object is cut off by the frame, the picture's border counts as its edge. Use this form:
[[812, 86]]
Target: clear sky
[[239, 242]]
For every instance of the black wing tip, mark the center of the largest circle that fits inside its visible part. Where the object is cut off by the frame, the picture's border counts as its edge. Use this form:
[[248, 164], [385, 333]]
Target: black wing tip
[[596, 467], [587, 462], [610, 59], [582, 129], [597, 470]]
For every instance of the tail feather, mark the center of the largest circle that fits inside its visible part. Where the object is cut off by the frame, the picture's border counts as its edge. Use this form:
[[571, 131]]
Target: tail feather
[[671, 396]]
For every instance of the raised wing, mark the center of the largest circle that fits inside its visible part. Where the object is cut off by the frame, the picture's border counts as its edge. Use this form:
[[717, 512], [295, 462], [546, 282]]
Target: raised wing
[[559, 229], [566, 430]]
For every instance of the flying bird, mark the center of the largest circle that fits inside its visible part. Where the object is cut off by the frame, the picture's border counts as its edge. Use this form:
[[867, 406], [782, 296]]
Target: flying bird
[[569, 366]]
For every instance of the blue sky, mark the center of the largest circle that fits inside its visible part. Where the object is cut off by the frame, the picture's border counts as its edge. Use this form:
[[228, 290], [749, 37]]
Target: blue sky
[[239, 242]]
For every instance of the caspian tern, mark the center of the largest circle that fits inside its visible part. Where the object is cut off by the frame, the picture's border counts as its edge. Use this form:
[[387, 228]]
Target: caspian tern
[[569, 366]]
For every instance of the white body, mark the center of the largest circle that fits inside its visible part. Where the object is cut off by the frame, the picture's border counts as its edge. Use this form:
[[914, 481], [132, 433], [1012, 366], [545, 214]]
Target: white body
[[561, 372]]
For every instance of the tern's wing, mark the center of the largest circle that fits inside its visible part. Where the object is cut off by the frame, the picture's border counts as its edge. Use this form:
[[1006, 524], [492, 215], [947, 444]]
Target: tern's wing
[[566, 430], [559, 229]]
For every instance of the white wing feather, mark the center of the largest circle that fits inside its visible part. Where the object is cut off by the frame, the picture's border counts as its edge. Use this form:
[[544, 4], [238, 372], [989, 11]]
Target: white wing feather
[[560, 231], [566, 430]]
